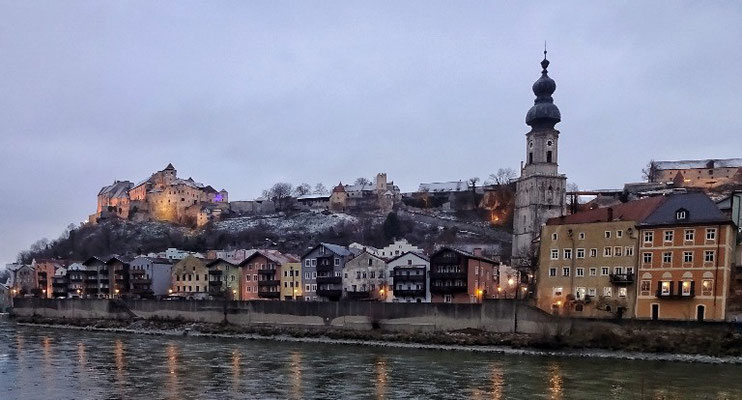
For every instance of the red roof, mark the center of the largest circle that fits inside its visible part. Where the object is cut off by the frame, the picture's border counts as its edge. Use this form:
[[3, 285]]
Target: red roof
[[339, 188], [635, 210]]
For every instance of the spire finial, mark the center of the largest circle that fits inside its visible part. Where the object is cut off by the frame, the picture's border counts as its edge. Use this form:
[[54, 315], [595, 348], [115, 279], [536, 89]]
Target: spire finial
[[544, 62], [544, 49]]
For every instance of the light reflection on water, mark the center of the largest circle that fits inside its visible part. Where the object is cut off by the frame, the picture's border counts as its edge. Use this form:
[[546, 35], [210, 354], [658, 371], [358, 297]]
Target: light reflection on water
[[65, 364]]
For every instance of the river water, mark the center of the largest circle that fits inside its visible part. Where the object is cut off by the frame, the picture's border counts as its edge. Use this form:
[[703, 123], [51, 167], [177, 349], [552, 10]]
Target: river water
[[47, 363]]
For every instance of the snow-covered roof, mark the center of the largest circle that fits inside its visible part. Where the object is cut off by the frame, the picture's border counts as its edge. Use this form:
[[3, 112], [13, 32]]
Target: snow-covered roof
[[691, 164], [116, 189], [314, 197], [358, 188], [453, 186], [337, 249]]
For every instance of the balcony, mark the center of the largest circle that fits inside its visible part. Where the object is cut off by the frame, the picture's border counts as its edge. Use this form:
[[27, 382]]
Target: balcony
[[448, 275], [329, 280], [267, 270], [141, 281], [269, 295], [408, 278], [330, 293], [622, 279], [270, 282], [325, 268], [409, 292], [358, 295], [447, 288]]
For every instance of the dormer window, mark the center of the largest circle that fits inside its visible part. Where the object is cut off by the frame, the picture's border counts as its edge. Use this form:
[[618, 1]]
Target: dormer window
[[681, 214]]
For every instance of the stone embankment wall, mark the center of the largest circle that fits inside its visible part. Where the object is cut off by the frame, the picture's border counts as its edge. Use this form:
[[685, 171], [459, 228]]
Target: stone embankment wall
[[491, 316]]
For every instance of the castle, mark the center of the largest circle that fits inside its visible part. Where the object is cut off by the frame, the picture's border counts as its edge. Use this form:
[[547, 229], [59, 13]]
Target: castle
[[161, 197], [381, 195]]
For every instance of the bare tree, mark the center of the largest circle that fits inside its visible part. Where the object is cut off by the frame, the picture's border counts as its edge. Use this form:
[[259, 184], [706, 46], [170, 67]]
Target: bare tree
[[362, 181], [302, 190], [503, 176], [320, 189], [473, 183], [280, 193], [650, 171]]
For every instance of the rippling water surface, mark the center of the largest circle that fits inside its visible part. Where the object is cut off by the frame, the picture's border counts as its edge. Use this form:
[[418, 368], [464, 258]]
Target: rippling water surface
[[41, 363]]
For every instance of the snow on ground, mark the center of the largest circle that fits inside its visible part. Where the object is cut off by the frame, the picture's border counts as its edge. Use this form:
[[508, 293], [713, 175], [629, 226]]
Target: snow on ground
[[311, 222]]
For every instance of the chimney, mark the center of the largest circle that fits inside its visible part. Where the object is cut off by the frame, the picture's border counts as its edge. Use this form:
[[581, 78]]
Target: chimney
[[477, 252]]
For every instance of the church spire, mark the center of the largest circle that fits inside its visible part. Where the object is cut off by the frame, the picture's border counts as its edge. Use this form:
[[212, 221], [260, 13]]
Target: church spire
[[544, 113]]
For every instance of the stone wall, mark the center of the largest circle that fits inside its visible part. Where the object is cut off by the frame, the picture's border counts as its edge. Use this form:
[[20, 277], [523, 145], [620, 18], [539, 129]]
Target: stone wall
[[492, 316]]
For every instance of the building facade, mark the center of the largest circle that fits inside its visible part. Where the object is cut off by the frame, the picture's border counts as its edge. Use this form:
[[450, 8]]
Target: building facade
[[460, 277], [291, 287], [697, 173], [322, 272], [190, 278], [155, 269], [225, 280], [409, 278], [686, 251], [540, 191], [364, 278]]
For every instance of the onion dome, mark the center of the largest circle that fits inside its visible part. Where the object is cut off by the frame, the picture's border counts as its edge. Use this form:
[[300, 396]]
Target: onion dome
[[544, 112]]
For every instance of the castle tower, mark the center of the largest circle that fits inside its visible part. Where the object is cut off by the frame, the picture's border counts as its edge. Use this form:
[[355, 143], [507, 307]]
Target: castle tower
[[540, 191], [381, 182]]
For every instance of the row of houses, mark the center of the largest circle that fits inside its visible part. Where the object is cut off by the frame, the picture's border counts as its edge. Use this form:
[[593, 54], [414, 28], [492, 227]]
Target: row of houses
[[669, 257], [400, 272]]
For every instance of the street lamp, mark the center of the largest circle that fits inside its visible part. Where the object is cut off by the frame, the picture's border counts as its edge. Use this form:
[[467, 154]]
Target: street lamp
[[480, 293]]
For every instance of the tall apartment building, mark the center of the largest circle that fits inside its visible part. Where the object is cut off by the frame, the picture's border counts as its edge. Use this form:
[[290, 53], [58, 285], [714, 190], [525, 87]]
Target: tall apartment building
[[364, 278], [460, 277], [322, 272]]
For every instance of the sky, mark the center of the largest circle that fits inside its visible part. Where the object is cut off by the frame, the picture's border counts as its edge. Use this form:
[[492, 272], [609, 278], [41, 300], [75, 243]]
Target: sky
[[240, 95]]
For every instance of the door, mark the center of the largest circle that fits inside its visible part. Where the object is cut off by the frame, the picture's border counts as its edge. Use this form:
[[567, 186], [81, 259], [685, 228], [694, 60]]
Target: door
[[700, 311], [655, 312]]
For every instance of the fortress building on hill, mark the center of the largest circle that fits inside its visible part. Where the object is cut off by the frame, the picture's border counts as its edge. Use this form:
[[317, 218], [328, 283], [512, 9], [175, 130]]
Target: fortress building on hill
[[161, 197]]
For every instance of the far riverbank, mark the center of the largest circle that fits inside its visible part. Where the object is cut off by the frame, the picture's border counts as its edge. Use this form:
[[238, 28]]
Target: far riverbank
[[676, 346]]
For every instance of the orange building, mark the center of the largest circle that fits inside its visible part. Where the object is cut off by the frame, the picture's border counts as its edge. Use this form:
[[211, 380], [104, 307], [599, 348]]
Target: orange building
[[686, 251], [460, 277]]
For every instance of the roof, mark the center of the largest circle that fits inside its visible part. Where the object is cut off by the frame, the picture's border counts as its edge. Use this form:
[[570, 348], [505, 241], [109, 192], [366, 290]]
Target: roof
[[414, 253], [708, 163], [635, 210], [359, 188], [335, 248], [156, 260], [116, 189], [370, 254], [218, 260], [272, 255], [698, 206], [464, 254], [452, 186], [313, 197], [169, 167]]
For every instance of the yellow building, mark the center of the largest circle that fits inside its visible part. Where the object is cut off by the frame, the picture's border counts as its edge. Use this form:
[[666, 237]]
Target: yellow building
[[588, 261], [190, 278], [291, 281]]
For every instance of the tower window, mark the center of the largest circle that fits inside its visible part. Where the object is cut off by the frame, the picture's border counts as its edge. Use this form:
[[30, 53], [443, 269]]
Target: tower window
[[530, 158], [548, 156]]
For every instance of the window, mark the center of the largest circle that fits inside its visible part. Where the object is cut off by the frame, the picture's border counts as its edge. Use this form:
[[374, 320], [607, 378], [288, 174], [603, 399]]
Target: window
[[447, 298], [645, 288], [711, 234], [618, 270], [629, 251], [607, 234], [307, 287], [690, 235], [607, 291], [607, 251], [314, 287], [687, 256], [592, 292], [580, 253], [665, 288], [667, 257], [565, 271], [708, 256], [681, 214], [581, 236], [314, 262], [580, 272], [554, 254], [552, 271], [604, 271], [554, 236], [558, 291], [619, 234], [648, 237], [337, 262], [580, 293], [593, 271], [686, 288], [567, 254], [668, 236], [629, 270], [707, 287], [617, 251], [647, 258], [622, 292], [314, 275], [593, 252]]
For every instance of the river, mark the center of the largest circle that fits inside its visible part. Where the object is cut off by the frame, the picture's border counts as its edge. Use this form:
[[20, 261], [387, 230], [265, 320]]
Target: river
[[48, 363]]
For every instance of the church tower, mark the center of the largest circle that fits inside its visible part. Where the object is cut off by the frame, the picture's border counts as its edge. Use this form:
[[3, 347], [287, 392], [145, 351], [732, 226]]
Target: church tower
[[540, 191]]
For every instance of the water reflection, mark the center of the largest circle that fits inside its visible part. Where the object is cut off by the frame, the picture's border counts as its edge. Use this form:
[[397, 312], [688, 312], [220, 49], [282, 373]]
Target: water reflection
[[555, 381], [59, 364]]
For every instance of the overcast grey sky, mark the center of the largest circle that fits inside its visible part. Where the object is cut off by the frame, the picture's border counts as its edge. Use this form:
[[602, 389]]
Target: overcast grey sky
[[242, 94]]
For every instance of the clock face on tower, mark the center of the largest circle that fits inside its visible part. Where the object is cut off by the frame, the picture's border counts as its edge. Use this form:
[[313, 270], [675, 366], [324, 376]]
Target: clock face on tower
[[549, 142]]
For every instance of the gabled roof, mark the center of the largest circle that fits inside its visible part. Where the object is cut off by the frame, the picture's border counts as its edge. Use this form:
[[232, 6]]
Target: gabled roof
[[414, 253], [453, 186], [155, 260], [463, 254], [94, 259], [382, 259], [220, 260], [635, 210], [117, 189], [121, 259], [335, 248], [273, 255], [698, 206]]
